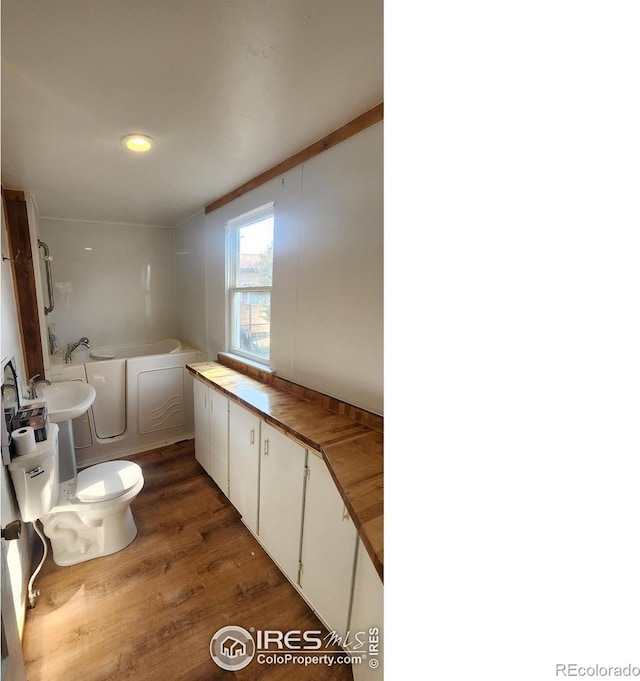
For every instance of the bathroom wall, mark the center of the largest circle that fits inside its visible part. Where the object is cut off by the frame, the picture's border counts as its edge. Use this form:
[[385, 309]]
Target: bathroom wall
[[113, 283], [327, 301], [191, 272]]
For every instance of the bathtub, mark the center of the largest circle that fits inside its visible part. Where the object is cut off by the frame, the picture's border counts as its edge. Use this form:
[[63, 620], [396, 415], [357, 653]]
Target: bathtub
[[169, 346], [144, 397]]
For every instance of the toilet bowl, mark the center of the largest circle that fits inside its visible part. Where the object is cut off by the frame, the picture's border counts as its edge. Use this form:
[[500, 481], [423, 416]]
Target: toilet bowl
[[97, 520], [86, 517]]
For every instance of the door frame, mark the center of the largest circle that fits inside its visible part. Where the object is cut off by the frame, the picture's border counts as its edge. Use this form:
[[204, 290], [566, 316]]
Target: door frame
[[12, 658]]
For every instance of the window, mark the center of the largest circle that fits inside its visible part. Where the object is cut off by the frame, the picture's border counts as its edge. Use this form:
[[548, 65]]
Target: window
[[249, 275]]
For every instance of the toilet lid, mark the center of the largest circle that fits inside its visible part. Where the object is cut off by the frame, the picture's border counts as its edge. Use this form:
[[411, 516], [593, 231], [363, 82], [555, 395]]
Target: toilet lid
[[107, 480]]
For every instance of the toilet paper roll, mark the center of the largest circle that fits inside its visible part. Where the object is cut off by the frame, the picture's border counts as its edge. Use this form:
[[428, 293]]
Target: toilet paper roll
[[24, 440]]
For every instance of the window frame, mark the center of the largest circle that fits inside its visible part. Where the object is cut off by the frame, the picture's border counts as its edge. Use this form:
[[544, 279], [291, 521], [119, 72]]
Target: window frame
[[233, 227]]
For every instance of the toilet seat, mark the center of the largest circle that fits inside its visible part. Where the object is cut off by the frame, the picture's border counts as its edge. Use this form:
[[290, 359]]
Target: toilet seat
[[108, 480]]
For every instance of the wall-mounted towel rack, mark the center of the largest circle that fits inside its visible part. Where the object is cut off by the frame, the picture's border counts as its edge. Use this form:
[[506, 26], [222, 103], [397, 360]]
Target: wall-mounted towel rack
[[47, 263]]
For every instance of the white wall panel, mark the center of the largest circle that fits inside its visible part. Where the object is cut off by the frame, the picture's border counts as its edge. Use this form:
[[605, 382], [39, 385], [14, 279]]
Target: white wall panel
[[121, 291], [336, 338], [191, 277]]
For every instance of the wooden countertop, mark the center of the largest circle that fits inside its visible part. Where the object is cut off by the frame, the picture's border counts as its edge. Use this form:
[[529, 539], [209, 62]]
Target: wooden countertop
[[352, 451]]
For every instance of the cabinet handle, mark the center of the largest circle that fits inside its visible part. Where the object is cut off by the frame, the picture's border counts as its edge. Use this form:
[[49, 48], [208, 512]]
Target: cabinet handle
[[266, 446], [253, 436]]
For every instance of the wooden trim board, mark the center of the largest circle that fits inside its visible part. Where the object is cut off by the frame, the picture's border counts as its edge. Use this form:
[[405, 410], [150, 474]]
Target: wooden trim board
[[355, 126]]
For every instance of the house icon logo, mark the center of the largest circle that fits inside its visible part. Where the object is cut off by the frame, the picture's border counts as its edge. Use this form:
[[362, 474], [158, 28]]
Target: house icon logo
[[232, 648]]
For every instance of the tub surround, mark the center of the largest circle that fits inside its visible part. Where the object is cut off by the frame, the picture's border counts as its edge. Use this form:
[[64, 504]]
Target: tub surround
[[351, 445], [111, 281]]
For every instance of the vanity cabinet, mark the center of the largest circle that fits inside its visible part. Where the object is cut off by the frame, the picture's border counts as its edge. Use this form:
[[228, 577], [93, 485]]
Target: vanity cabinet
[[282, 474], [329, 540], [244, 463], [289, 501], [211, 426]]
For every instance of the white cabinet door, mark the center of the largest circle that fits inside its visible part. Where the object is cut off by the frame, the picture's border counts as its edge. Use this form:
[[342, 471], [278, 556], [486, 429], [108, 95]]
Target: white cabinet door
[[201, 424], [328, 548], [367, 614], [244, 463], [211, 427], [282, 472], [219, 439]]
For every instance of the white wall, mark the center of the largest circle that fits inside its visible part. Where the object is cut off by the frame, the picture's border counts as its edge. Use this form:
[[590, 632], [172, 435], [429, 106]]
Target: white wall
[[123, 291], [331, 336], [191, 272], [327, 300]]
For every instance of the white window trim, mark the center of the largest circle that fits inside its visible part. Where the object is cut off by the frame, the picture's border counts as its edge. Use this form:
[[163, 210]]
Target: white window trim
[[232, 261]]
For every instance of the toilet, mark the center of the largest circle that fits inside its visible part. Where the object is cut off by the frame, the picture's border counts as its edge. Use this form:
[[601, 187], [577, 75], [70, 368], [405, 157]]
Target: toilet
[[85, 517]]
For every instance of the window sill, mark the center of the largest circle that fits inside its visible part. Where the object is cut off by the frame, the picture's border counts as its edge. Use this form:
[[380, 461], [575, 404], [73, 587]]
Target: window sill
[[249, 362]]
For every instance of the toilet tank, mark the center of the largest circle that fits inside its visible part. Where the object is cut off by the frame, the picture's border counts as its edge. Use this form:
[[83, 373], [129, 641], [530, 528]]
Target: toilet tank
[[35, 477]]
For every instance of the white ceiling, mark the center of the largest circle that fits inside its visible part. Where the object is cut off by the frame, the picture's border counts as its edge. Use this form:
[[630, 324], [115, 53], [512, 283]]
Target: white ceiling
[[227, 88]]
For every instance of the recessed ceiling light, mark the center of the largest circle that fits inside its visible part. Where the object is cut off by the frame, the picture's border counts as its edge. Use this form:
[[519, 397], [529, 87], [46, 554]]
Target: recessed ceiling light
[[137, 142]]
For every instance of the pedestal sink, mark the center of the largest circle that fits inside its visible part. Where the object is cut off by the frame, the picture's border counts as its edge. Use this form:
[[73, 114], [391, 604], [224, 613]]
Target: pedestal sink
[[66, 400]]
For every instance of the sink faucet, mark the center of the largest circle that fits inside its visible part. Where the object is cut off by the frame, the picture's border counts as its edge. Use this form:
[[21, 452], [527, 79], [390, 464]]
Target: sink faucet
[[72, 346], [33, 385]]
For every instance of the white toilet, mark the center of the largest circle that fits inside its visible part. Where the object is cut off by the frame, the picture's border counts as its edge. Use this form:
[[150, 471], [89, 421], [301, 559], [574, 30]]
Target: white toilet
[[85, 517]]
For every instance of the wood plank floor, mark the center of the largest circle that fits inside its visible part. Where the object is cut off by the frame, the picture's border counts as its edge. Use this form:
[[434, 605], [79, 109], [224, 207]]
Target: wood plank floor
[[149, 611]]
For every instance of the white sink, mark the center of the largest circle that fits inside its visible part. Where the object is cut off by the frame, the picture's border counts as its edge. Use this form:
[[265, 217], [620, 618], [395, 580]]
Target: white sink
[[67, 400]]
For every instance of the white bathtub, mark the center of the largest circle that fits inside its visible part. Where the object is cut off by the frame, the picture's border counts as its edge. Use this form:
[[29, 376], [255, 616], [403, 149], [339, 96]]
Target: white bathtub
[[144, 397], [163, 347]]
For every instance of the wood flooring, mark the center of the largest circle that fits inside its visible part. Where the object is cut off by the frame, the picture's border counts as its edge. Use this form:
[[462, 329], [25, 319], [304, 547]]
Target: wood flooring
[[149, 612]]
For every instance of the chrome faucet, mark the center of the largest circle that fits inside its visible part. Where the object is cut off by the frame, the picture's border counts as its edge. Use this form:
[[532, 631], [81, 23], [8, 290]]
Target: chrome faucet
[[33, 386], [72, 346]]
